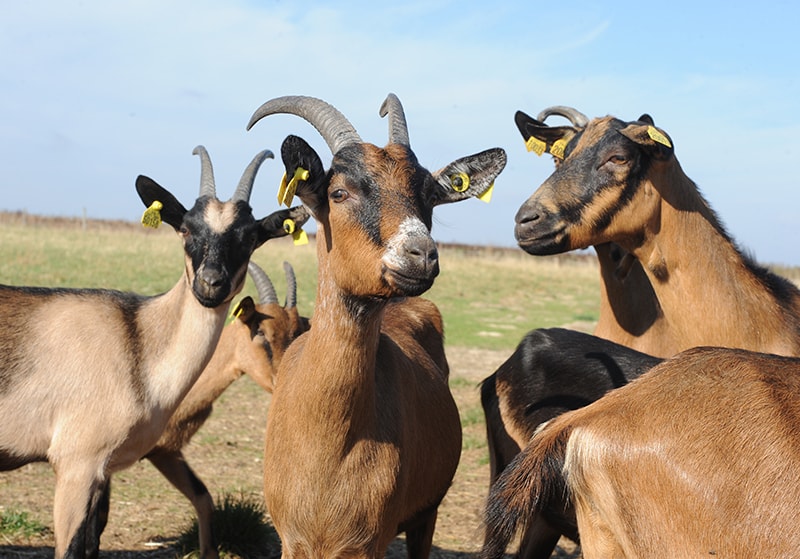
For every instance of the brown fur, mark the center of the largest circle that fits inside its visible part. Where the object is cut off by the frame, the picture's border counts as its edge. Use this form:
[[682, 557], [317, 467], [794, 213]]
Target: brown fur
[[385, 410], [660, 468], [671, 278], [371, 389], [705, 290], [363, 435]]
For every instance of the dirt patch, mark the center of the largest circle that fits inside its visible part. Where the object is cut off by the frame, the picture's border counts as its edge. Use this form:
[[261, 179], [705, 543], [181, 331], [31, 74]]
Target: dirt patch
[[147, 513]]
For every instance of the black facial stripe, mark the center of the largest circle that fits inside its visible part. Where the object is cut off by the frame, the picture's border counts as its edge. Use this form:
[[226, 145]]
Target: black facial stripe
[[351, 166], [586, 164]]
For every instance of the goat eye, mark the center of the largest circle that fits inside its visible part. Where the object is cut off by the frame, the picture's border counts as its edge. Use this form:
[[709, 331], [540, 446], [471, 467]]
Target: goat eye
[[339, 195], [618, 159]]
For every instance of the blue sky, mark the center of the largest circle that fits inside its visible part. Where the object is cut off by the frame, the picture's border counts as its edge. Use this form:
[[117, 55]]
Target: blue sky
[[94, 93]]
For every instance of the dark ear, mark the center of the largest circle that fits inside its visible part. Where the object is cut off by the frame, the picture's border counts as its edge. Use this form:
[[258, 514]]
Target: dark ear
[[244, 310], [655, 141], [275, 224], [544, 136], [468, 176], [646, 118], [150, 191], [296, 153]]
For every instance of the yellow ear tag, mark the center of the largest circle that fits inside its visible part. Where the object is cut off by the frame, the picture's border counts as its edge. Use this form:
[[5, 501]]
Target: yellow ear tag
[[286, 190], [459, 182], [657, 136], [237, 310], [152, 215], [487, 194], [558, 147], [299, 237], [282, 189], [535, 145]]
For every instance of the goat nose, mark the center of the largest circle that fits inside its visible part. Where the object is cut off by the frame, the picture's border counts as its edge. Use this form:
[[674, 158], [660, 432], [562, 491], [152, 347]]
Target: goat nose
[[212, 277], [527, 214], [423, 252]]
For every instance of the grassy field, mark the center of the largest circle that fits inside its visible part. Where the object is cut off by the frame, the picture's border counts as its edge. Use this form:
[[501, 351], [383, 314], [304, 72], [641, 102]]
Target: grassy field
[[489, 299]]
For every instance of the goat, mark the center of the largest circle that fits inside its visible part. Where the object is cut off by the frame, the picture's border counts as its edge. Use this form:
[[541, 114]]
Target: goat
[[363, 435], [552, 370], [695, 458], [620, 182], [612, 182], [89, 377], [252, 344]]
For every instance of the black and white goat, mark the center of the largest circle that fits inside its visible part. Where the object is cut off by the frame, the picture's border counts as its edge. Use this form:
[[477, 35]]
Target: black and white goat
[[89, 377]]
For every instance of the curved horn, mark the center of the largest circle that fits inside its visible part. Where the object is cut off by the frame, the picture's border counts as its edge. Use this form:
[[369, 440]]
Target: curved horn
[[291, 286], [245, 186], [207, 186], [264, 288], [577, 118], [398, 128], [335, 129]]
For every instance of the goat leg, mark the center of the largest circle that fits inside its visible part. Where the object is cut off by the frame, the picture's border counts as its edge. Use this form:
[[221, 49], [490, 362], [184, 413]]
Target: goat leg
[[173, 466]]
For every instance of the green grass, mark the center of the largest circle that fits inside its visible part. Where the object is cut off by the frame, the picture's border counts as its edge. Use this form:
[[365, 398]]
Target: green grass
[[489, 299], [18, 524]]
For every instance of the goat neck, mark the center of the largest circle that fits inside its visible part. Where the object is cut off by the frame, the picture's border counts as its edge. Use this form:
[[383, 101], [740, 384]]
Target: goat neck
[[620, 182]]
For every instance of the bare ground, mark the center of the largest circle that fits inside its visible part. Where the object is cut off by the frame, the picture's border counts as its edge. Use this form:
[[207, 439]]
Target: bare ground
[[147, 513]]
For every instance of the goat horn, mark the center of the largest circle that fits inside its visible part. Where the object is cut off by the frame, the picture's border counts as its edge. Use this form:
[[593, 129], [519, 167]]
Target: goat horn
[[398, 128], [291, 286], [207, 187], [245, 186], [335, 129], [577, 118], [264, 288]]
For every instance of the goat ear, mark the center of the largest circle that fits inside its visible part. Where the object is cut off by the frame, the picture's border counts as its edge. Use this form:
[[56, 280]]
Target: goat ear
[[275, 224], [297, 154], [654, 140], [469, 176], [150, 191], [244, 310], [540, 137]]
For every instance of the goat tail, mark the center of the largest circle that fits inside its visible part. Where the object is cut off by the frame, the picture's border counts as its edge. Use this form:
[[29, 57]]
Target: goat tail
[[533, 484]]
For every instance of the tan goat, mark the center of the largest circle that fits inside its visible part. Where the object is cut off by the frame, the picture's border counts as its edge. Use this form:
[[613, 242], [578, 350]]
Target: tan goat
[[252, 344], [89, 378], [363, 436], [696, 458]]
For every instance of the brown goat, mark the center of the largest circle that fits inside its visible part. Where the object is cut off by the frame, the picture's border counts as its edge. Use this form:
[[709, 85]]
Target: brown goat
[[623, 192], [363, 436], [252, 344], [92, 396], [695, 458], [619, 182]]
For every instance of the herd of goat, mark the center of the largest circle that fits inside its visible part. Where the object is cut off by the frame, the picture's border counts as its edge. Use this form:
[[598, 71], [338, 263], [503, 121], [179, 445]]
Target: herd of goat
[[673, 431]]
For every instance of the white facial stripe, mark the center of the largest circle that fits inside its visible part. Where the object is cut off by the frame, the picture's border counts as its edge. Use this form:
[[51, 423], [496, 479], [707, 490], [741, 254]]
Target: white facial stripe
[[219, 216], [410, 227]]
